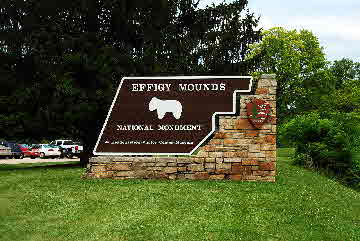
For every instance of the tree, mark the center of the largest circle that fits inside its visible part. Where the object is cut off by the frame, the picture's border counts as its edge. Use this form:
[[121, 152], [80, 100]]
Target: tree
[[343, 70], [299, 64], [63, 69]]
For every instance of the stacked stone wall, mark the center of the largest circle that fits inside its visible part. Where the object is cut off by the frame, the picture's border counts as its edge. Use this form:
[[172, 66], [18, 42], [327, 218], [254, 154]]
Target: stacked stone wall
[[236, 151]]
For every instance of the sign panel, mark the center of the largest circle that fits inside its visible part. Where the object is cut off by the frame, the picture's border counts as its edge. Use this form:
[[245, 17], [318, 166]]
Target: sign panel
[[258, 112], [167, 115]]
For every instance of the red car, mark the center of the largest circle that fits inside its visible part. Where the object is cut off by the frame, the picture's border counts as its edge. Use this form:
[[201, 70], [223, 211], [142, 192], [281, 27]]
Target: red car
[[28, 151]]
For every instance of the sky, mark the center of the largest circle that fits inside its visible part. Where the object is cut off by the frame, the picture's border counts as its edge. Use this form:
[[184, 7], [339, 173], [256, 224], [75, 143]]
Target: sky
[[335, 23]]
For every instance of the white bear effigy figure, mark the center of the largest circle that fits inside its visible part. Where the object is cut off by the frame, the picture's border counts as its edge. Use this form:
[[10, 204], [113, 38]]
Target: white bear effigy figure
[[163, 106]]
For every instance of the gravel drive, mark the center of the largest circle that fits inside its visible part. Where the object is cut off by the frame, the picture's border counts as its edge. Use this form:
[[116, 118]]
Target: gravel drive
[[37, 160]]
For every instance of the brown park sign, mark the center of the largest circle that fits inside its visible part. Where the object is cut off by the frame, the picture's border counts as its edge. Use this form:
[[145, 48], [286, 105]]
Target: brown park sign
[[258, 112], [167, 115]]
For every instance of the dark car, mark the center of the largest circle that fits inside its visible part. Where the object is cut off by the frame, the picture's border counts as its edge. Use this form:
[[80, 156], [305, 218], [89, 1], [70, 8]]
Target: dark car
[[15, 149]]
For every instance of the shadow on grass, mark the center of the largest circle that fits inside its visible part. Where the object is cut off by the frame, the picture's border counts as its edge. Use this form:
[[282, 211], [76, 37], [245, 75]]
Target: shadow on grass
[[37, 166], [344, 177]]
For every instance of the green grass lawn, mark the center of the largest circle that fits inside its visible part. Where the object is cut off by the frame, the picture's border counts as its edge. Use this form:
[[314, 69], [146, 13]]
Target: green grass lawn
[[39, 202]]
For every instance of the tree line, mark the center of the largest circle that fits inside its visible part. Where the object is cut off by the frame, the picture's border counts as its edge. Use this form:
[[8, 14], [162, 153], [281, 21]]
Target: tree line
[[61, 61], [318, 101]]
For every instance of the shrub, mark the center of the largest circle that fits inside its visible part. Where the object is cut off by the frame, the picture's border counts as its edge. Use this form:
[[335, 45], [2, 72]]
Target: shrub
[[317, 137], [326, 142]]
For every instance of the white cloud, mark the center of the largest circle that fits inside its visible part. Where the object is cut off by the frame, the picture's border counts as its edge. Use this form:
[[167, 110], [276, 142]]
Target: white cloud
[[204, 3], [335, 23], [338, 35], [342, 28]]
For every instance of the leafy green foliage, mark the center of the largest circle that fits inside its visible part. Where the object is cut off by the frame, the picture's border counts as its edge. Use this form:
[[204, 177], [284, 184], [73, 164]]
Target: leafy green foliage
[[298, 62], [318, 103], [60, 62], [344, 70], [325, 142]]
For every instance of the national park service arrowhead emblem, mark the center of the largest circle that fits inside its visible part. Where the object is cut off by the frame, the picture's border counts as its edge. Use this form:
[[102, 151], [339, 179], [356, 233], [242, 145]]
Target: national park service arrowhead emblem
[[258, 112]]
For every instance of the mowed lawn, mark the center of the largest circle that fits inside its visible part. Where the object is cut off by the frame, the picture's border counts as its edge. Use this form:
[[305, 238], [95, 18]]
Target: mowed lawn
[[39, 202]]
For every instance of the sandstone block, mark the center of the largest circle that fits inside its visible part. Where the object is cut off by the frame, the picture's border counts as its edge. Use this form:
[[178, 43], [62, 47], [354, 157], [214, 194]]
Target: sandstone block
[[243, 124], [216, 141], [251, 133], [118, 167], [226, 148], [254, 148], [153, 168], [233, 159], [272, 91], [172, 176], [268, 147], [103, 175], [198, 160], [209, 148], [220, 135], [268, 179], [172, 164], [119, 178], [230, 142], [259, 140], [270, 154], [98, 168], [266, 125], [202, 153], [217, 177], [196, 167], [264, 83], [144, 159], [250, 162], [230, 154], [181, 169], [209, 159], [201, 176], [237, 168], [124, 174], [184, 160], [210, 165], [242, 154], [267, 166], [272, 120], [271, 159], [236, 177], [245, 142], [256, 155], [271, 139], [160, 163], [260, 173], [223, 166], [250, 177], [273, 129], [189, 176], [216, 154], [262, 91], [219, 160], [170, 169], [235, 135], [160, 175], [271, 173]]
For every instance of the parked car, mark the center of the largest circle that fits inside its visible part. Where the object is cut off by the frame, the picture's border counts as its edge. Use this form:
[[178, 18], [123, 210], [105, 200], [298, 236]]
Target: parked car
[[28, 151], [69, 147], [15, 149], [25, 149], [5, 151], [46, 150]]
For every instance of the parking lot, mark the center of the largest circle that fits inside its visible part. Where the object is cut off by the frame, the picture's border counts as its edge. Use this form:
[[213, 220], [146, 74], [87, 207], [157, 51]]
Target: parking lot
[[36, 160]]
